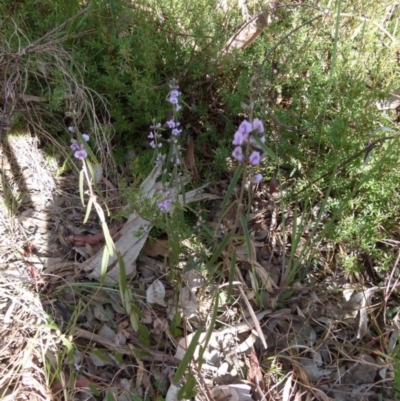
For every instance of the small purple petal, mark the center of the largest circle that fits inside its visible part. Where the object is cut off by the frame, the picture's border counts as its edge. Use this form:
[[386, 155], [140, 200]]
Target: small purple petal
[[151, 135], [256, 179], [86, 137], [164, 205], [75, 147], [175, 93], [255, 158], [80, 154], [178, 107], [173, 100], [71, 128], [176, 131], [238, 153], [258, 126], [238, 138]]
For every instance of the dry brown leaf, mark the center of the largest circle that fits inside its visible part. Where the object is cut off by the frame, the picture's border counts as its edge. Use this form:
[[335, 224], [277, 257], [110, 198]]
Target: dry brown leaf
[[155, 247], [247, 33], [190, 158]]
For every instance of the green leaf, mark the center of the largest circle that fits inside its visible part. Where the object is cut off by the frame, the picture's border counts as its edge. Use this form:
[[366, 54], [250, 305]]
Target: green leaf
[[110, 396], [188, 390], [232, 272], [210, 330], [134, 320], [247, 237], [94, 390], [88, 210], [104, 264], [81, 177], [266, 149], [188, 355], [97, 353], [217, 253], [232, 186], [122, 276], [109, 241], [144, 337]]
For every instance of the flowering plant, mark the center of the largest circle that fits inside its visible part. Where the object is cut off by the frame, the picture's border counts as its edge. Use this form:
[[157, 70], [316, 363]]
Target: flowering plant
[[244, 137]]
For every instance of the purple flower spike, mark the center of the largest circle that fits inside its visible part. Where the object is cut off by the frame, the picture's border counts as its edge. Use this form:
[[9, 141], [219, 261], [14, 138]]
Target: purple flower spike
[[256, 179], [238, 153], [258, 126], [255, 158]]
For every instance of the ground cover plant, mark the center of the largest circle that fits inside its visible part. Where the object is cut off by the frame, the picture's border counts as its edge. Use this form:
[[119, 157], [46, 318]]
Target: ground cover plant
[[200, 200]]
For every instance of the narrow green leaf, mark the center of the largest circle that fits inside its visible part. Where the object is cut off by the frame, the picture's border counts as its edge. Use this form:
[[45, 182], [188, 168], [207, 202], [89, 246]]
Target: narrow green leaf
[[94, 390], [210, 330], [217, 253], [98, 354], [110, 396], [232, 273], [247, 237], [81, 177], [122, 274], [188, 355], [88, 210], [134, 320], [232, 185], [188, 390], [266, 149], [109, 240], [104, 264]]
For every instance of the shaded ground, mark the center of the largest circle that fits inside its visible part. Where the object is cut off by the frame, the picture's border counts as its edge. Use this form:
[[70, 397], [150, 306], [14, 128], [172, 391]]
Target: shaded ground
[[329, 336]]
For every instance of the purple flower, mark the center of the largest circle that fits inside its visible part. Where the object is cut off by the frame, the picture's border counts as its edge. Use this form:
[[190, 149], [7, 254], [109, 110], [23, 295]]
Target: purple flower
[[80, 153], [86, 137], [255, 158], [238, 138], [78, 366], [164, 205], [171, 124], [71, 128], [258, 126], [245, 129], [178, 107], [256, 179], [175, 93], [173, 100], [238, 153], [152, 144], [176, 131], [75, 146]]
